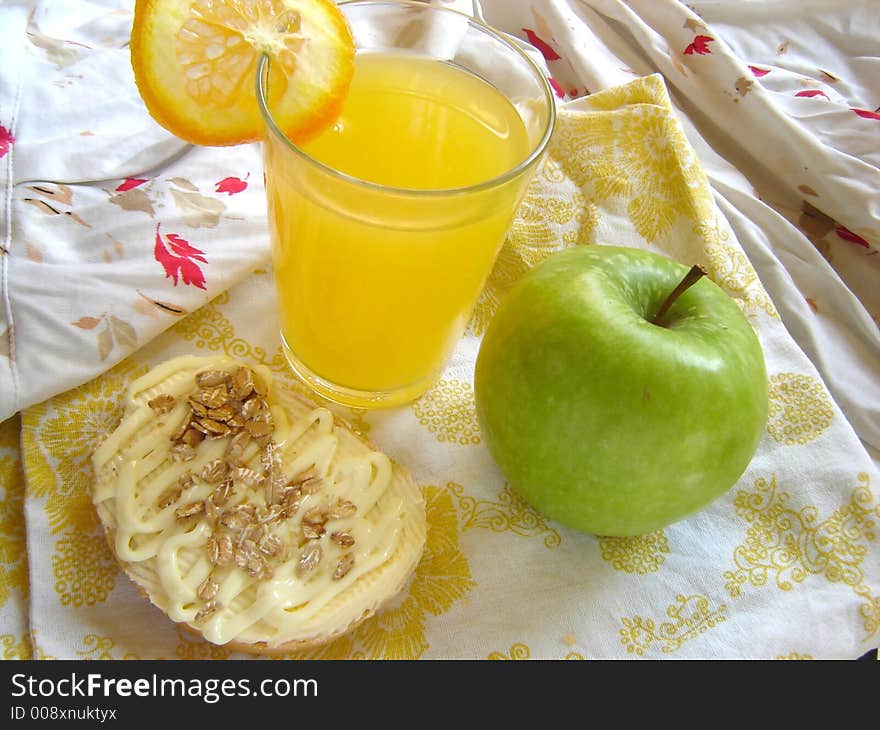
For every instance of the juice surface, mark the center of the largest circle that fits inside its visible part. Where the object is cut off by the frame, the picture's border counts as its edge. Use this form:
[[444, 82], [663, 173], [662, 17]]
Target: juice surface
[[414, 122], [375, 288]]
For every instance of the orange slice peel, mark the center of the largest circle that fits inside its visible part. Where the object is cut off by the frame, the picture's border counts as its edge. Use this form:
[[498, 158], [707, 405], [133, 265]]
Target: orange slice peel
[[195, 65]]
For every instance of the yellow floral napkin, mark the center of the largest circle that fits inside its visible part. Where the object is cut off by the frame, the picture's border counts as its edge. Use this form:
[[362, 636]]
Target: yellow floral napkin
[[786, 565]]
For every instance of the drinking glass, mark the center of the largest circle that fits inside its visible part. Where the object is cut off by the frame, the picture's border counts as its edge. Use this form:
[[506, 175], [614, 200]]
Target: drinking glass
[[385, 228]]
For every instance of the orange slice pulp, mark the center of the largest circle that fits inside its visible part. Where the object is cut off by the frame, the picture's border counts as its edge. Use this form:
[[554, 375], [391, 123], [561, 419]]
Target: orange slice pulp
[[195, 65]]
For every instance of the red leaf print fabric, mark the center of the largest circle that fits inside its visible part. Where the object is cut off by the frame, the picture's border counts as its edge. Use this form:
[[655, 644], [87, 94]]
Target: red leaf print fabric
[[699, 45], [557, 88], [759, 72], [180, 260], [129, 183], [847, 235], [546, 51], [810, 93], [6, 140], [867, 114], [231, 185]]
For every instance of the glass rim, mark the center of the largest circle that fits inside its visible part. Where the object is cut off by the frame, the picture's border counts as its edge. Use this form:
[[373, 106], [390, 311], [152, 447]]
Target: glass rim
[[497, 180]]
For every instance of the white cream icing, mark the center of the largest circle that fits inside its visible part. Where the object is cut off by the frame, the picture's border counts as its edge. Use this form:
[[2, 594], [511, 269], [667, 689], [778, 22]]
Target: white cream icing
[[134, 469]]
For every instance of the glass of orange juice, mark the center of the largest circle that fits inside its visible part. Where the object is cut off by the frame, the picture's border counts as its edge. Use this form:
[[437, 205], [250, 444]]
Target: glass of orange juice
[[385, 227]]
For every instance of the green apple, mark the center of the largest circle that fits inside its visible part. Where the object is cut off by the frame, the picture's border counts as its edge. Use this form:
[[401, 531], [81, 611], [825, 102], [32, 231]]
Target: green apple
[[604, 412]]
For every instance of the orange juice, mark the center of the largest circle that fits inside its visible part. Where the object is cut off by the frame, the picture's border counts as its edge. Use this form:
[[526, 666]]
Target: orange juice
[[380, 250]]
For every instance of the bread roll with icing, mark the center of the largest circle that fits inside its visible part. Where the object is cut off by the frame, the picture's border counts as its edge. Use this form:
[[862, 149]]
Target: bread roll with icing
[[254, 518]]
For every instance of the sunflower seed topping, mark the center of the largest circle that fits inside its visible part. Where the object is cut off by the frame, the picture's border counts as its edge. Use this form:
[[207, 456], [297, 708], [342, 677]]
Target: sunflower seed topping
[[162, 403], [190, 510], [211, 378], [250, 505], [213, 397], [342, 509], [258, 428], [181, 429], [193, 437], [271, 546], [309, 559], [168, 497], [206, 610], [343, 538], [214, 471], [182, 452], [208, 589], [343, 566], [242, 382]]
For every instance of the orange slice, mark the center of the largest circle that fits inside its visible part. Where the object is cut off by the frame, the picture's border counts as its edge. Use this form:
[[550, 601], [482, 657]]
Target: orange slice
[[195, 64]]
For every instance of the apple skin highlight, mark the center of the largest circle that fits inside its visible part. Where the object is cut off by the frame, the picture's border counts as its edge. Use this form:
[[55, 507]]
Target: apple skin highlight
[[606, 422]]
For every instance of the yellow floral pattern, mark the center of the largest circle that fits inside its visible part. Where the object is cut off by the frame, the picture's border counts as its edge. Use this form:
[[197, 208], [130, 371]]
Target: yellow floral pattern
[[442, 577], [206, 327], [23, 647], [799, 408], [641, 554], [543, 224], [10, 434], [794, 656], [637, 151], [510, 513], [62, 434], [209, 329], [509, 267], [728, 267], [448, 411], [518, 652], [870, 611], [572, 217], [689, 617], [16, 647], [84, 568], [789, 546], [629, 155], [100, 647], [13, 548]]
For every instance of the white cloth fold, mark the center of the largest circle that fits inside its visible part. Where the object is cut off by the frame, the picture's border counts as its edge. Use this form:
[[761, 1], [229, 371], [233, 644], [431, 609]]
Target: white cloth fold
[[89, 182]]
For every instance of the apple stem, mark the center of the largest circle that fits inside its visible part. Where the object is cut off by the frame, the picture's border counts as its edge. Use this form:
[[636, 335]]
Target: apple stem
[[690, 278]]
